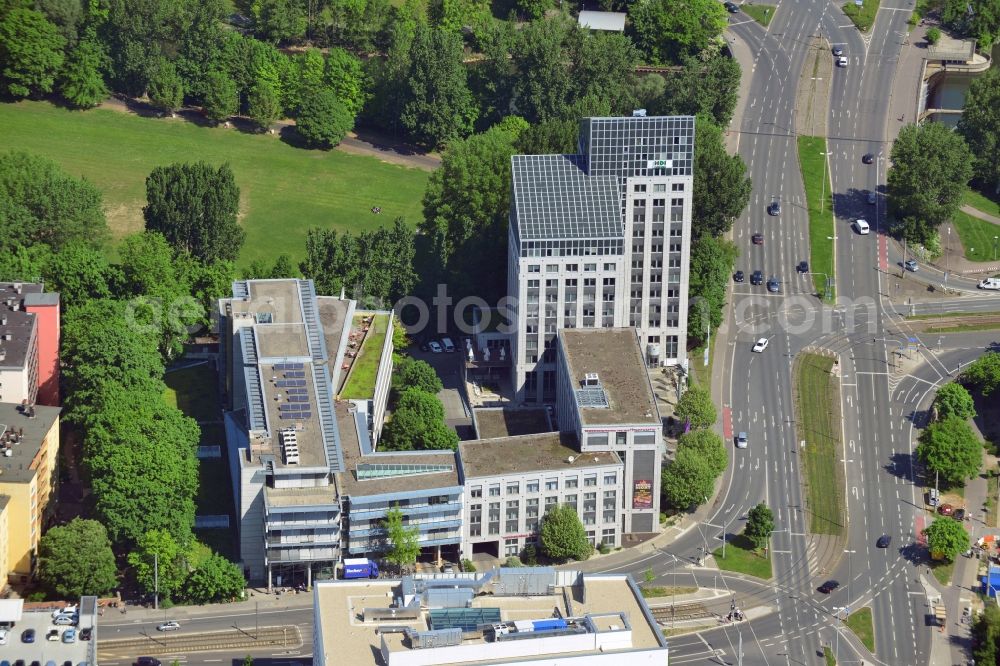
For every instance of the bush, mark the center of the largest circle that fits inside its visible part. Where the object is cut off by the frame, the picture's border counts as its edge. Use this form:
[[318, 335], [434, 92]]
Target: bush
[[530, 555], [603, 548], [514, 562], [468, 565], [933, 35]]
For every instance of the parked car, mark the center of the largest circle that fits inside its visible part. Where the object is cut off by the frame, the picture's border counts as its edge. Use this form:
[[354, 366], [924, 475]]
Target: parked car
[[741, 441], [883, 541], [3, 639], [86, 633], [959, 514], [738, 276], [933, 497], [760, 346], [52, 635], [69, 636], [28, 636], [829, 586], [435, 346], [170, 625], [65, 620], [946, 509]]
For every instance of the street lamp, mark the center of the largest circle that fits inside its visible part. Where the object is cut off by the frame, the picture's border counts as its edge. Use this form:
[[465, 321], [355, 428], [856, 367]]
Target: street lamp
[[822, 196], [995, 238]]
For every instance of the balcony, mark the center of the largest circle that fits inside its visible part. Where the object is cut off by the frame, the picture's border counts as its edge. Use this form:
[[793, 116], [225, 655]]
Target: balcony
[[279, 555]]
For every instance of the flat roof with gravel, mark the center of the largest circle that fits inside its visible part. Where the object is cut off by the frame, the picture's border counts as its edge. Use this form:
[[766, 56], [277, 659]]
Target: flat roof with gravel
[[549, 451]]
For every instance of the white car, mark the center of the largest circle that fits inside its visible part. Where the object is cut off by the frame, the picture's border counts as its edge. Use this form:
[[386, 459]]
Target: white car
[[3, 637], [861, 226], [168, 626], [842, 61], [741, 441], [65, 619], [760, 346], [435, 346]]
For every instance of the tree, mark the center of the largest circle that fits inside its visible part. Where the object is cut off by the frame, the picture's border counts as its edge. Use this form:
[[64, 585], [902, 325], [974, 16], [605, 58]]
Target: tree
[[414, 373], [261, 270], [711, 262], [66, 15], [700, 87], [986, 635], [31, 53], [158, 563], [137, 33], [563, 536], [203, 44], [438, 105], [81, 273], [82, 81], [418, 423], [166, 89], [951, 448], [76, 559], [277, 20], [216, 579], [195, 207], [931, 167], [323, 121], [491, 80], [688, 480], [533, 9], [953, 400], [946, 538], [760, 524], [984, 373], [220, 99], [466, 206], [979, 125], [696, 405], [40, 203], [543, 88], [709, 446], [669, 30], [263, 105], [721, 184], [345, 76], [604, 68], [402, 540]]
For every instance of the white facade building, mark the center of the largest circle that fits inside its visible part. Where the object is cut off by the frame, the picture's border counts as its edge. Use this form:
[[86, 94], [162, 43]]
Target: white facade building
[[601, 239], [510, 482]]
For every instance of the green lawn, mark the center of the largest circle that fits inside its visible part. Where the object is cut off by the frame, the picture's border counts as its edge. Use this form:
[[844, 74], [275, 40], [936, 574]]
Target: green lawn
[[361, 382], [860, 622], [742, 557], [976, 199], [817, 406], [284, 190], [194, 391], [215, 491], [815, 177], [828, 655], [760, 13], [977, 237], [657, 592], [942, 570], [863, 17]]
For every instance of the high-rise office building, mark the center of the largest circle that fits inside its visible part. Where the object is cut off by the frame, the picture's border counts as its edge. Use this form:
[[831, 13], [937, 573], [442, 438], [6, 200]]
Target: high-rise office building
[[601, 239]]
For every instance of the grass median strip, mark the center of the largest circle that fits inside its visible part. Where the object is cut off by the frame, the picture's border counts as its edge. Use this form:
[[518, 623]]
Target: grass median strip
[[817, 407], [864, 16], [743, 557], [977, 237], [819, 205], [763, 14], [860, 622]]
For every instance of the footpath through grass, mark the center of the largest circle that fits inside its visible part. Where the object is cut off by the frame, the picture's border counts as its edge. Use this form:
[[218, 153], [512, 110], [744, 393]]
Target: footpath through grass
[[763, 14], [860, 622], [988, 204], [863, 17], [819, 203], [817, 407], [284, 191], [743, 557], [977, 237]]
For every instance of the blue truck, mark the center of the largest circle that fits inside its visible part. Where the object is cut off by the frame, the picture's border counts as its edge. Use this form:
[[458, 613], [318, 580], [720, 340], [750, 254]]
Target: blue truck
[[359, 567]]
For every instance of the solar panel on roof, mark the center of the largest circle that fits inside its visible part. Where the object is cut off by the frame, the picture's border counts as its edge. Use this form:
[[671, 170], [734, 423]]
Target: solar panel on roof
[[297, 391], [298, 373], [592, 396], [298, 398], [286, 408], [289, 416], [281, 383], [296, 366], [305, 415]]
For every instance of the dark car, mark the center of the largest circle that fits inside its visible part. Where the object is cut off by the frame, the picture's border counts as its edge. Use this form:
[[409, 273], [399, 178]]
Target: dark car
[[803, 267], [757, 239], [773, 285], [731, 7], [756, 278], [147, 661], [959, 514], [883, 541], [28, 636], [946, 509], [86, 633], [774, 208], [868, 158], [738, 276], [829, 586], [838, 50]]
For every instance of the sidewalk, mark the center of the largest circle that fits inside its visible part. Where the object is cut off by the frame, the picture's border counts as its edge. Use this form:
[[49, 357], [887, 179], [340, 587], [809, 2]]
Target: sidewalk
[[260, 601], [906, 85]]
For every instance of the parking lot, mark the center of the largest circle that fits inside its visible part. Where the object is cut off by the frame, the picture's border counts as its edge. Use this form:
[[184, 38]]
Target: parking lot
[[448, 367], [43, 650]]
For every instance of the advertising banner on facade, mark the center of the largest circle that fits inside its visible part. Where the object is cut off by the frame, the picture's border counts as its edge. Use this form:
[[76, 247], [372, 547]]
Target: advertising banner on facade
[[642, 494]]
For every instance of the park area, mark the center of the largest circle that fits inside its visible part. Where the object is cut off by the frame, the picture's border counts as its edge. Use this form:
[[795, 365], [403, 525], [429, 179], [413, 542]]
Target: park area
[[284, 191]]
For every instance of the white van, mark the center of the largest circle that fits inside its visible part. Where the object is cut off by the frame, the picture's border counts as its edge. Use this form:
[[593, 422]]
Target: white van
[[861, 226], [448, 345], [989, 283]]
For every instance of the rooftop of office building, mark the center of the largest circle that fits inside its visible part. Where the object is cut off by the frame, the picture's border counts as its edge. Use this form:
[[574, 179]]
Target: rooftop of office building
[[375, 473], [551, 451], [23, 429], [15, 322], [594, 615], [555, 198], [638, 145], [609, 376]]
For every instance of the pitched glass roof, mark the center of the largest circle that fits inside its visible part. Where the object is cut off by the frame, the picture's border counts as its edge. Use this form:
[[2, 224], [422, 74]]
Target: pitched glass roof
[[554, 198]]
